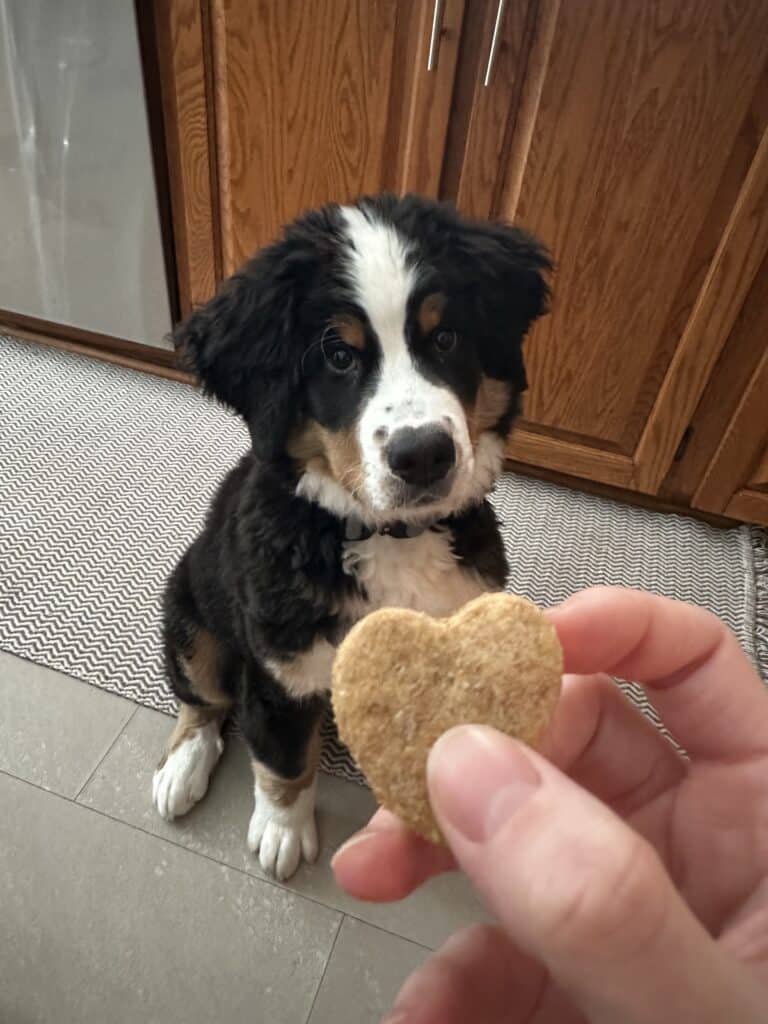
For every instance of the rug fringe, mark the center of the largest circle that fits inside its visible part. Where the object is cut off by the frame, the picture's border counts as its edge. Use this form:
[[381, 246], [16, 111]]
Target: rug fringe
[[759, 538]]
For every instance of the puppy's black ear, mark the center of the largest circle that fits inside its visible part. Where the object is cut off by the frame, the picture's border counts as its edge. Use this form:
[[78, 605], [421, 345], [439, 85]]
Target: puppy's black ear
[[505, 272], [245, 345]]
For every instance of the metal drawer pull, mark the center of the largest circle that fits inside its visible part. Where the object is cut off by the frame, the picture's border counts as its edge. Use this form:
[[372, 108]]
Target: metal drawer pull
[[494, 42], [434, 39]]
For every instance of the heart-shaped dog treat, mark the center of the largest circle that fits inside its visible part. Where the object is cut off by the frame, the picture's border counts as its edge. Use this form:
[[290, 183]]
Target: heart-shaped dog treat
[[401, 679]]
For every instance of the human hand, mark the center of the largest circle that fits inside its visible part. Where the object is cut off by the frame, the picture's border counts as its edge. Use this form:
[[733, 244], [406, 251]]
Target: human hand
[[630, 884]]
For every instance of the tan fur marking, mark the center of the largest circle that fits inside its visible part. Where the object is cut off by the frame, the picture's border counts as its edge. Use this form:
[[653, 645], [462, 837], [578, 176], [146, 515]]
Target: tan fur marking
[[334, 453], [305, 673], [191, 718], [342, 450], [201, 667], [285, 792], [306, 443], [491, 402], [351, 331], [431, 312]]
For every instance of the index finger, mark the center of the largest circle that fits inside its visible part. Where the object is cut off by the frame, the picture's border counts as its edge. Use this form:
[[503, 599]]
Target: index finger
[[700, 680], [386, 861]]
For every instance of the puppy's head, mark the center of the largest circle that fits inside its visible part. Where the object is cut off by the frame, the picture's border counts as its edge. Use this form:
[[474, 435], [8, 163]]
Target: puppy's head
[[378, 346]]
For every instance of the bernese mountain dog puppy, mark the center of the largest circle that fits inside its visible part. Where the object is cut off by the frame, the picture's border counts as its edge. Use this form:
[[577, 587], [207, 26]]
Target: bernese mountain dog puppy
[[375, 353]]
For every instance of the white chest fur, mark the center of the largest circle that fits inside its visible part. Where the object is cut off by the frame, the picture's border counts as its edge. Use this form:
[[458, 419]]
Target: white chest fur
[[421, 573]]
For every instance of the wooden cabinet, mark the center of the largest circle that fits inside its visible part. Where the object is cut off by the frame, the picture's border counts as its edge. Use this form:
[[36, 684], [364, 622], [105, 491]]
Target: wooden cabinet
[[276, 106], [321, 100], [632, 138], [638, 151]]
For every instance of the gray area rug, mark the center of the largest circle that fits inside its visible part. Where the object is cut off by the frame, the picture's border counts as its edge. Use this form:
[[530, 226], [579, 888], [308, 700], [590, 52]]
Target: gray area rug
[[106, 474]]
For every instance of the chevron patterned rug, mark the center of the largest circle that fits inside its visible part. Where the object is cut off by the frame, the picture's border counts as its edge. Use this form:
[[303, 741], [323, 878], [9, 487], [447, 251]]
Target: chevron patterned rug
[[105, 476]]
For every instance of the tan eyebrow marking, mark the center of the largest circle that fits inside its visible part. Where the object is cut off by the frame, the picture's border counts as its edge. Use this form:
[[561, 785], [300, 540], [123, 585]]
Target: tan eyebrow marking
[[431, 311], [351, 331]]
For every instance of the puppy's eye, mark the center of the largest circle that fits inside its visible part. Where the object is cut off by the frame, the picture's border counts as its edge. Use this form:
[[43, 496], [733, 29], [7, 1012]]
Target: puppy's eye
[[340, 359], [445, 342]]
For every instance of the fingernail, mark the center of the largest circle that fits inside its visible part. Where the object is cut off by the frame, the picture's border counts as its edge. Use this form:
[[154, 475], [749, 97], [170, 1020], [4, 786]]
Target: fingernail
[[478, 778], [361, 837]]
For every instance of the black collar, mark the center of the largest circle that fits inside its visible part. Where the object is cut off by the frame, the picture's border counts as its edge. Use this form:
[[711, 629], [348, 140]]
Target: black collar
[[356, 529]]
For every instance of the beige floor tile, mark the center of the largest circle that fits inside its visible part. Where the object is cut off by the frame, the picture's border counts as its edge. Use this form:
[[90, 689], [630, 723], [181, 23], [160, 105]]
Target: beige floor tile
[[102, 923], [364, 975], [217, 828], [54, 730]]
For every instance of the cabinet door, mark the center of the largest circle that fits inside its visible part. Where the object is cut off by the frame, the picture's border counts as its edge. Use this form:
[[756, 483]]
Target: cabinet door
[[736, 481], [272, 107], [636, 148], [324, 101]]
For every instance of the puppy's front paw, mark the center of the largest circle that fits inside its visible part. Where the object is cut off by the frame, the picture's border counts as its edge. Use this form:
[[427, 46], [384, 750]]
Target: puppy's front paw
[[183, 777], [281, 836]]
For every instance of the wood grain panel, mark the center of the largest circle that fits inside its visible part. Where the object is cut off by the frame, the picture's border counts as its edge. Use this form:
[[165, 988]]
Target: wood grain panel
[[637, 117], [484, 117], [699, 261], [543, 19], [726, 385], [741, 461], [749, 506], [305, 102], [759, 478], [185, 86], [420, 100], [569, 457], [740, 253]]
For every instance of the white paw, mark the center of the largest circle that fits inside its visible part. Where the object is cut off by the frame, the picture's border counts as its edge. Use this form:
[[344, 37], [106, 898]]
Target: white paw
[[282, 836], [183, 779]]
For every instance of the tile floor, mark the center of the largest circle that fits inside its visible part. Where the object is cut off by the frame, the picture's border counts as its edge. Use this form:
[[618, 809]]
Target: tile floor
[[108, 913]]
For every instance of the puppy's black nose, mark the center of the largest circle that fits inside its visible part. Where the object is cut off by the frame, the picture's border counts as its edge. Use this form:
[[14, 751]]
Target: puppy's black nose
[[421, 455]]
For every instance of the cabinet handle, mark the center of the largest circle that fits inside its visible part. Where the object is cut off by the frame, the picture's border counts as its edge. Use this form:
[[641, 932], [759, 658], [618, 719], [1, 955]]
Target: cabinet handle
[[494, 42], [434, 39]]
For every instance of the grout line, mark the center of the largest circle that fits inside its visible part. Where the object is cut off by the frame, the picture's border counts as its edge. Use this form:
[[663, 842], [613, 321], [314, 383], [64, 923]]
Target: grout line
[[172, 842], [273, 883], [386, 931], [107, 752], [325, 969]]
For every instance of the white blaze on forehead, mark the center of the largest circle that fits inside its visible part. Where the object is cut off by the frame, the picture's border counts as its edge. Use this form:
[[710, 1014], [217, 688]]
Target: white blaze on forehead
[[383, 274], [380, 274]]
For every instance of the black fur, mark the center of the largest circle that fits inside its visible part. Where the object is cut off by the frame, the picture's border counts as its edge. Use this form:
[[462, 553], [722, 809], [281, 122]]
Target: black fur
[[265, 575], [477, 544], [277, 728]]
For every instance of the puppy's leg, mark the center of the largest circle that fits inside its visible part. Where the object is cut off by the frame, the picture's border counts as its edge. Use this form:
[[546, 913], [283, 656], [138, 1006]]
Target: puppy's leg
[[282, 829], [283, 734], [196, 668], [194, 747]]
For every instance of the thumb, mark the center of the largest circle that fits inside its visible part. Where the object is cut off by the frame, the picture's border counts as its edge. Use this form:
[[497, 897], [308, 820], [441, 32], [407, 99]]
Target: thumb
[[577, 888]]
